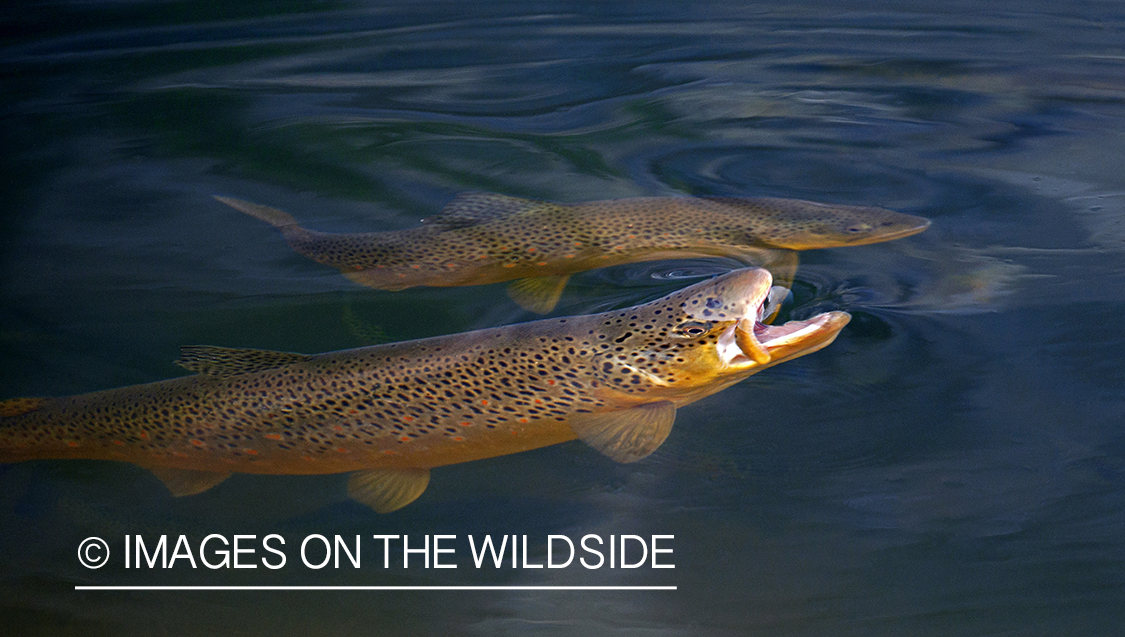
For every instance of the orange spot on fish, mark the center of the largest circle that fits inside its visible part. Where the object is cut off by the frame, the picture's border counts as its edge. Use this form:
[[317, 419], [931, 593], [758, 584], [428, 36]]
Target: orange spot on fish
[[466, 423], [388, 452], [144, 434], [357, 268], [252, 452], [415, 266], [541, 263], [71, 443], [404, 439], [538, 402], [550, 382], [337, 427], [523, 420], [568, 256], [458, 438], [408, 419], [273, 436], [118, 443], [197, 442], [531, 249], [484, 402], [341, 450], [509, 265]]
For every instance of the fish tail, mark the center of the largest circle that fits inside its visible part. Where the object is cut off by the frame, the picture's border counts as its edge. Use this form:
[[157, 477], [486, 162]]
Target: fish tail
[[18, 406], [272, 216]]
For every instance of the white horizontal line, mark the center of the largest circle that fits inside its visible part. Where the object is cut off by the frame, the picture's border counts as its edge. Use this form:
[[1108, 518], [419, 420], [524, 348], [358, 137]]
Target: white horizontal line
[[375, 588]]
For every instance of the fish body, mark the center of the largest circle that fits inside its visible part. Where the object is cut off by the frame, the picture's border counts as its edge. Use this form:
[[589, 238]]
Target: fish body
[[481, 238], [392, 412]]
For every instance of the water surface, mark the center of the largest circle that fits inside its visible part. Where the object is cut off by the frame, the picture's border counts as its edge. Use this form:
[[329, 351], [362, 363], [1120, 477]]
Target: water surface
[[953, 464]]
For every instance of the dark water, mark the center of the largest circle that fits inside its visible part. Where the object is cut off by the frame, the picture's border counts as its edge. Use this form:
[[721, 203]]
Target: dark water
[[953, 464]]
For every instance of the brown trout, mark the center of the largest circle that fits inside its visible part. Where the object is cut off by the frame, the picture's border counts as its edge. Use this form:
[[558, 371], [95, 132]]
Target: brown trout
[[389, 413], [483, 238]]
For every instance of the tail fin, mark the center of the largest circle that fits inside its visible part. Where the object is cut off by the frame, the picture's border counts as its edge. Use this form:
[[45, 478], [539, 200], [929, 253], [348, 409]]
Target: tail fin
[[18, 406], [272, 216]]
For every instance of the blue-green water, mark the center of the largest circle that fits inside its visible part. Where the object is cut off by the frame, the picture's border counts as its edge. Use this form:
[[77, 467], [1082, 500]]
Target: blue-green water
[[953, 464]]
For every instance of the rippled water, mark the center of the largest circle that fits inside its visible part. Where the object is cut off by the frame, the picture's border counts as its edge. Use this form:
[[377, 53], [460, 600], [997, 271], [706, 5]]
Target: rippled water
[[953, 464]]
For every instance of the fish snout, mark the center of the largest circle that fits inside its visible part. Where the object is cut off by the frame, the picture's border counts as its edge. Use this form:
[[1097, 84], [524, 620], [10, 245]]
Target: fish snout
[[888, 226], [731, 297]]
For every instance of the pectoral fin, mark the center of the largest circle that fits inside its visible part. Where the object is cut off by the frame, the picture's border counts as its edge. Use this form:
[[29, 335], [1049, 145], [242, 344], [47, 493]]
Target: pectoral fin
[[183, 482], [230, 361], [369, 333], [538, 294], [387, 490], [626, 435], [782, 264]]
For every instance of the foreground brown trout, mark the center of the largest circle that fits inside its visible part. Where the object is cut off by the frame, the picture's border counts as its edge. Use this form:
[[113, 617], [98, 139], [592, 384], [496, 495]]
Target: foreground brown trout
[[391, 412], [483, 238]]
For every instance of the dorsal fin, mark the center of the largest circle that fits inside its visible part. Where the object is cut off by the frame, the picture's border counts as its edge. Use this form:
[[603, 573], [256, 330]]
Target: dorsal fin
[[538, 294], [387, 490], [18, 406], [231, 361], [472, 208], [183, 482], [626, 435], [272, 216]]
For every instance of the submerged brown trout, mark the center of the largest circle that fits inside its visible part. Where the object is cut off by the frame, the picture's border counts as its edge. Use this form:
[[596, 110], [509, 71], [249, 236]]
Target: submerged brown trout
[[483, 238], [389, 413]]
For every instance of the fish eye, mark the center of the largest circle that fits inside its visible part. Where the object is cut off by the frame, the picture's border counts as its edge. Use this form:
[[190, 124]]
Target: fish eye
[[692, 329]]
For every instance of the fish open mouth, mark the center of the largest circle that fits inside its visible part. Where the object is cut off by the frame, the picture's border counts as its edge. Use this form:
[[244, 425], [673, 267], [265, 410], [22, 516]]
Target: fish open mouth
[[750, 342]]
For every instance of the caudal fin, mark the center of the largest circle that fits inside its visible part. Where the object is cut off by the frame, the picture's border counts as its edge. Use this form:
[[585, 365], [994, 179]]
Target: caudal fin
[[272, 216], [18, 406]]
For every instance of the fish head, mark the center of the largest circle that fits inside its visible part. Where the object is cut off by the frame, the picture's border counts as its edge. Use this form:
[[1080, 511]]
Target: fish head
[[805, 225], [705, 337]]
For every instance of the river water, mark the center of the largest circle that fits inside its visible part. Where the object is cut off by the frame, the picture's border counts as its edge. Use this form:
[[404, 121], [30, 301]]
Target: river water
[[953, 464]]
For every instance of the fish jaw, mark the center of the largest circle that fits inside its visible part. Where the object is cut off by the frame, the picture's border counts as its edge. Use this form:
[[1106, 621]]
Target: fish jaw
[[751, 344], [748, 343]]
